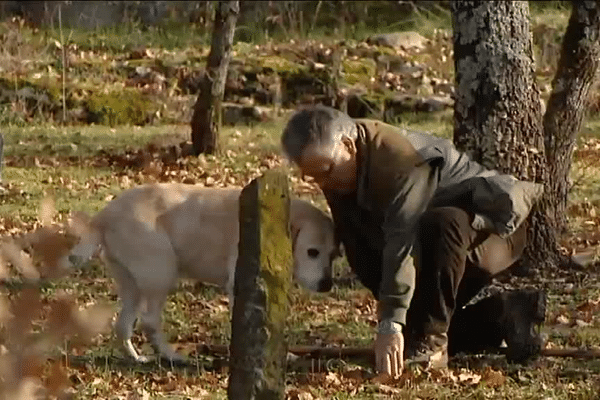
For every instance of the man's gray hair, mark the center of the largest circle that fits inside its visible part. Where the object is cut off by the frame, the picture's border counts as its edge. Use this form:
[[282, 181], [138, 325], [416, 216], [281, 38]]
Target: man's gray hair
[[315, 124]]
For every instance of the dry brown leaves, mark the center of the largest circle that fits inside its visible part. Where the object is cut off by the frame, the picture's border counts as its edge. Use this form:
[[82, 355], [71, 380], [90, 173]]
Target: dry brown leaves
[[588, 152], [23, 363], [35, 253], [357, 380], [583, 314], [162, 164], [24, 373]]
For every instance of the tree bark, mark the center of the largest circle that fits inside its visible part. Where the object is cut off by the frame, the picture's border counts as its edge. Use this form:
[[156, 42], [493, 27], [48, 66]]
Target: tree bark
[[498, 113], [575, 75], [206, 119]]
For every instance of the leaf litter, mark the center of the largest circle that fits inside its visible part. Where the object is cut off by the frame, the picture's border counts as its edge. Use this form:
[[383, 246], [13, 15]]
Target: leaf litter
[[32, 249]]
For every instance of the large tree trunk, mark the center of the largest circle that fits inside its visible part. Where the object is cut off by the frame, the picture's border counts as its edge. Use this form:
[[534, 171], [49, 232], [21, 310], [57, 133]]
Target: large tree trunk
[[206, 119], [577, 69], [498, 113]]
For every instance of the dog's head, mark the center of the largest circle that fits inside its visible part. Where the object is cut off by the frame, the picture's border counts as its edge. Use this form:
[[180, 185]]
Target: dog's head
[[315, 248]]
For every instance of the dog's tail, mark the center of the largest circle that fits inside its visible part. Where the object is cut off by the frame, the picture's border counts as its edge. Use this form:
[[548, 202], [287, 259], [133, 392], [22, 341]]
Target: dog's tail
[[90, 239]]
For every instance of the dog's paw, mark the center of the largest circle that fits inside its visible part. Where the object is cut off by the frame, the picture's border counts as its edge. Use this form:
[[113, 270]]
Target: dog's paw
[[142, 359], [291, 357]]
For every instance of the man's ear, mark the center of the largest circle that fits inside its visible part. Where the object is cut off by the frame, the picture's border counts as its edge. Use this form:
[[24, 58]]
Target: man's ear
[[350, 145]]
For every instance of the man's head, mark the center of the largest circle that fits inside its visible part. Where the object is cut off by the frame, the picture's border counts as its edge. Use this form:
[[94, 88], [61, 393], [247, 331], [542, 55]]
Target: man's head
[[321, 141]]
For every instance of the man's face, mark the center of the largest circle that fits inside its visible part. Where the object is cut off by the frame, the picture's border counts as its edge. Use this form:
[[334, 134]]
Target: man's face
[[332, 167]]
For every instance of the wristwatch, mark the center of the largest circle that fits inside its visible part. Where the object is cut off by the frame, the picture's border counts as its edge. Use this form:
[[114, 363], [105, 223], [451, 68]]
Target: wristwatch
[[389, 327]]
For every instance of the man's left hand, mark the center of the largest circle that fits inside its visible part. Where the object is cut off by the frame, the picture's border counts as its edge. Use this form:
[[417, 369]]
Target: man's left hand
[[389, 352]]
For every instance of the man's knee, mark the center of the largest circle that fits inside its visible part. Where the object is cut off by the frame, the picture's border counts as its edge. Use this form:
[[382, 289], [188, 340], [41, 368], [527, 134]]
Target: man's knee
[[446, 223], [496, 254]]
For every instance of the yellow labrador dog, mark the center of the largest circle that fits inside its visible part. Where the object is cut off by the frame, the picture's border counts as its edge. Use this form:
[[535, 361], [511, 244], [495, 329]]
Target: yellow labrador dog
[[152, 234]]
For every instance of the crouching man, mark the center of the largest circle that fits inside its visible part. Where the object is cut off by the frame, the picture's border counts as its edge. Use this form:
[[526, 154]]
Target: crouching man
[[397, 195]]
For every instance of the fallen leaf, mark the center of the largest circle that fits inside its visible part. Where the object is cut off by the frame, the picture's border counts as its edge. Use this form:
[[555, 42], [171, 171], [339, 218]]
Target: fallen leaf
[[299, 394], [4, 271], [493, 378], [469, 377], [332, 379], [27, 389], [47, 211], [25, 308], [94, 319], [355, 374], [582, 324], [31, 365], [61, 316], [19, 259], [58, 380], [382, 378], [386, 389], [49, 246], [5, 314]]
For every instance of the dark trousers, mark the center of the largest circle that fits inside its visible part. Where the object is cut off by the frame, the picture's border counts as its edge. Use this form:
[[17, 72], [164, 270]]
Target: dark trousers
[[454, 262]]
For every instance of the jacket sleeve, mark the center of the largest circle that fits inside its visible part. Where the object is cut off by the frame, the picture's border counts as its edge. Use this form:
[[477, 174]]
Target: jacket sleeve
[[413, 192]]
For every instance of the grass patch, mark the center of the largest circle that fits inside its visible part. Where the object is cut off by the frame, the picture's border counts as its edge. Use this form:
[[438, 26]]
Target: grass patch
[[83, 167], [198, 313]]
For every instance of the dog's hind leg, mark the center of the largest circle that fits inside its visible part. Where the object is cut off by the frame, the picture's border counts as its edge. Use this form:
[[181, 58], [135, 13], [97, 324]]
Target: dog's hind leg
[[131, 301], [150, 264], [151, 324]]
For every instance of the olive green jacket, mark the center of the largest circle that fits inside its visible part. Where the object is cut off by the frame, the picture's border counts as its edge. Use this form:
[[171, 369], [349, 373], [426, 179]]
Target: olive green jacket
[[400, 175]]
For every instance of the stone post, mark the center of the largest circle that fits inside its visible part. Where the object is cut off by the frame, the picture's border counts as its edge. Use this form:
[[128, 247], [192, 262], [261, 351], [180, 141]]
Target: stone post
[[262, 280]]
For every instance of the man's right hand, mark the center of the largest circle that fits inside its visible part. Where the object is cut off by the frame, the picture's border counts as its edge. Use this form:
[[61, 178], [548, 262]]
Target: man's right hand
[[389, 349]]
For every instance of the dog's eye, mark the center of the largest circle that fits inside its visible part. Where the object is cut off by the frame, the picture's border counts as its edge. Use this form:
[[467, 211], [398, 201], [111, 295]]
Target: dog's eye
[[313, 253]]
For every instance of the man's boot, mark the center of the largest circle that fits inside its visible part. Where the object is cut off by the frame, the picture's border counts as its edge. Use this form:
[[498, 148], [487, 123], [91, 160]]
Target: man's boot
[[524, 311], [429, 352], [510, 316]]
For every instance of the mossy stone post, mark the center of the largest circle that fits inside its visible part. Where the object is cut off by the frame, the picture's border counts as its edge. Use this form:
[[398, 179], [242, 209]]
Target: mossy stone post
[[262, 280]]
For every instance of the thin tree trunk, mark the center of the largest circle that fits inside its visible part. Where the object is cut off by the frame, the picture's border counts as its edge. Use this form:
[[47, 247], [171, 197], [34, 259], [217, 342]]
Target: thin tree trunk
[[206, 119], [577, 69], [498, 113]]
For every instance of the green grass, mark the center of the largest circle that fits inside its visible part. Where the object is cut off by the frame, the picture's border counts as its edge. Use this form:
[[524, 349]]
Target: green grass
[[171, 35], [439, 124], [132, 35], [552, 13], [199, 314], [71, 164]]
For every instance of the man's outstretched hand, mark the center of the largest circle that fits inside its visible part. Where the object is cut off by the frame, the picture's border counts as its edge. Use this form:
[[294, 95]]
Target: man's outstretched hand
[[389, 350]]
